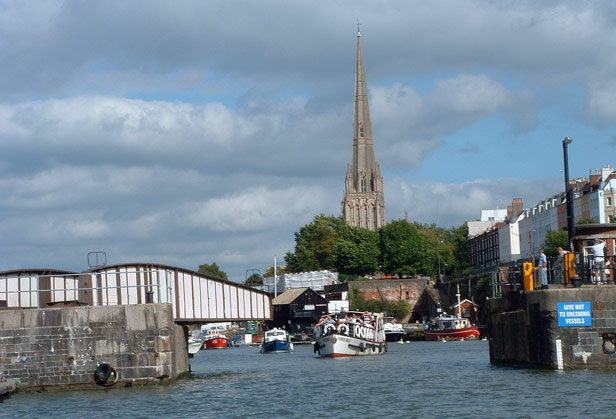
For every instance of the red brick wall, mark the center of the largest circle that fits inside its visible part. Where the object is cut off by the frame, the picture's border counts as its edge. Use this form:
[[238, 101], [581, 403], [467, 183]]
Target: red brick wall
[[392, 289]]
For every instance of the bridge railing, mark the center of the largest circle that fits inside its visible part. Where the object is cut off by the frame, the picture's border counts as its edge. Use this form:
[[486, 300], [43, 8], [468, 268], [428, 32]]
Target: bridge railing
[[195, 298], [96, 289]]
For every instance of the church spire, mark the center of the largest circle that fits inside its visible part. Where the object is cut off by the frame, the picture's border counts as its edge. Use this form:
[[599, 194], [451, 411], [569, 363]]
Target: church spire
[[363, 203], [363, 144]]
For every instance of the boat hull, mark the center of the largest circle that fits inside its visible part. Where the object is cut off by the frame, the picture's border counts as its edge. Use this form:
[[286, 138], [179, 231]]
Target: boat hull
[[194, 346], [466, 333], [394, 336], [219, 342], [276, 346], [338, 346]]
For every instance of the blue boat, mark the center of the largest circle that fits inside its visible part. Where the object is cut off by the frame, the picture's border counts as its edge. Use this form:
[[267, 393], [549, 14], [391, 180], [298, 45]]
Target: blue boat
[[276, 341]]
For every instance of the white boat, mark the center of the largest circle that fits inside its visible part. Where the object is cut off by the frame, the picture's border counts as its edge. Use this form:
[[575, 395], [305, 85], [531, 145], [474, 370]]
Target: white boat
[[194, 344], [394, 332], [276, 341], [353, 337]]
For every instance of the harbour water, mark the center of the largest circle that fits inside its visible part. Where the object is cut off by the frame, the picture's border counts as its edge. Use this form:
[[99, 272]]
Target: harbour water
[[418, 379]]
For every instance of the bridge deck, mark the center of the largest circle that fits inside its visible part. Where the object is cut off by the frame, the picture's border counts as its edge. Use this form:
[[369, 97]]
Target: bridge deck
[[195, 298]]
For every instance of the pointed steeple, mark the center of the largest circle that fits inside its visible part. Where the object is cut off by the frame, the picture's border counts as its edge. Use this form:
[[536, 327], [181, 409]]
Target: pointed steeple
[[363, 203], [364, 161]]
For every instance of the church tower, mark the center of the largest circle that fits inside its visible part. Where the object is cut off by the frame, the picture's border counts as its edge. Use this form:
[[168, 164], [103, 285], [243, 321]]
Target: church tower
[[363, 202]]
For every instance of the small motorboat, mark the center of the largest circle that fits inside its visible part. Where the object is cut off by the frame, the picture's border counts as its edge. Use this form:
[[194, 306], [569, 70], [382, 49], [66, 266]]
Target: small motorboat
[[276, 341]]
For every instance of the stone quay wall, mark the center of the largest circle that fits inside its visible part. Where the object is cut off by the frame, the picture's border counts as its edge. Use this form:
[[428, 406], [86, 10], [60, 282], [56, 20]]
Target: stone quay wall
[[523, 328], [49, 347]]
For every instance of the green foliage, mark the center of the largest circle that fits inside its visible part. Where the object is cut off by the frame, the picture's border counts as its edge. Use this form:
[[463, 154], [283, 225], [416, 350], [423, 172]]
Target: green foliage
[[280, 270], [399, 309], [358, 301], [586, 220], [254, 279], [404, 251], [212, 270], [553, 240], [357, 251], [315, 244], [459, 239]]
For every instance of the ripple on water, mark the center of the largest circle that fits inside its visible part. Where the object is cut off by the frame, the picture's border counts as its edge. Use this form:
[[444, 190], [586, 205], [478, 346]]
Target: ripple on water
[[421, 379]]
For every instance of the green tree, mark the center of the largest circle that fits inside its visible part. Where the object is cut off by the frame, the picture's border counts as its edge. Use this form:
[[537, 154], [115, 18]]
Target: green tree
[[553, 240], [315, 244], [440, 241], [357, 251], [280, 270], [254, 279], [458, 236], [399, 309], [404, 251], [212, 270]]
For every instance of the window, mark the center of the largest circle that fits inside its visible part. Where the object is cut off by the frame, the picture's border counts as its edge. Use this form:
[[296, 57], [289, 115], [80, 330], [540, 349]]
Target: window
[[467, 312], [609, 201]]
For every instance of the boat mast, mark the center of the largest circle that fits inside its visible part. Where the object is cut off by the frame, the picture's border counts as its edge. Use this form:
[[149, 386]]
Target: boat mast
[[459, 304]]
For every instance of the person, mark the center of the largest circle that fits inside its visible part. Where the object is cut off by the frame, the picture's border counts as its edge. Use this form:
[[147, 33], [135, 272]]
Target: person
[[559, 266], [543, 269], [342, 315], [598, 254], [330, 320]]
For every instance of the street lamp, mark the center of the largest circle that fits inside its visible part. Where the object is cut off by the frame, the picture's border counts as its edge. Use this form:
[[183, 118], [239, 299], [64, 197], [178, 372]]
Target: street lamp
[[568, 195]]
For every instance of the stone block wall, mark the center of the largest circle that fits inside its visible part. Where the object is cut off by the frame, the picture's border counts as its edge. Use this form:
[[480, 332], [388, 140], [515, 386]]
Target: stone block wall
[[63, 346], [523, 328]]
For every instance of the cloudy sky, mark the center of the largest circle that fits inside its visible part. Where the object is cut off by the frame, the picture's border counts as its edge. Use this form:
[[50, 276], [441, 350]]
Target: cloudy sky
[[196, 132]]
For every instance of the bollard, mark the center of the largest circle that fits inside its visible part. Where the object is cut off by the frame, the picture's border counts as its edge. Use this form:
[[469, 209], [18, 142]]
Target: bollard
[[527, 272]]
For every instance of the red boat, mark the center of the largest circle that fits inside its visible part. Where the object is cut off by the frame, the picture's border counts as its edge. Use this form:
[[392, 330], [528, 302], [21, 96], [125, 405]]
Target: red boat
[[214, 337], [449, 328], [216, 342]]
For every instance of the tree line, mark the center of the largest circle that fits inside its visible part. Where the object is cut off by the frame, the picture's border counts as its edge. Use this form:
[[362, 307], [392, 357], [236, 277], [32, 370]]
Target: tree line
[[400, 248]]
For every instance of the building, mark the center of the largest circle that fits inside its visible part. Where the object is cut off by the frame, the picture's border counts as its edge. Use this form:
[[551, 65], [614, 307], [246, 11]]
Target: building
[[298, 309], [593, 198], [363, 202], [522, 234]]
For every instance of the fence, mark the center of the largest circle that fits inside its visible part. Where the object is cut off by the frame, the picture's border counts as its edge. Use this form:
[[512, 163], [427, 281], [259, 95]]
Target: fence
[[95, 289], [586, 270]]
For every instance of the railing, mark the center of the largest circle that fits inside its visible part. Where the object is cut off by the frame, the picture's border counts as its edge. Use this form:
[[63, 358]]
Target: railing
[[585, 271], [99, 288]]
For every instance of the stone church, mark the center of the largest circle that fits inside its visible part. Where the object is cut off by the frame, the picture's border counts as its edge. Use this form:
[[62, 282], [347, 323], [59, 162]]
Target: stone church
[[363, 202]]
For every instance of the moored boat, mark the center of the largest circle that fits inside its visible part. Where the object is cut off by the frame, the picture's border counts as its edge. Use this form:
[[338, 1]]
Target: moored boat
[[448, 328], [276, 341], [394, 332], [214, 337], [195, 343], [352, 336]]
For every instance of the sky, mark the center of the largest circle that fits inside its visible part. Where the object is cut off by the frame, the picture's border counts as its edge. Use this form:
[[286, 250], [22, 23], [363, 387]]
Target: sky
[[194, 132]]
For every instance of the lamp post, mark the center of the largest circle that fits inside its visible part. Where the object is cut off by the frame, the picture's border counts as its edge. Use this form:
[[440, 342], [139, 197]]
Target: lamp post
[[568, 195]]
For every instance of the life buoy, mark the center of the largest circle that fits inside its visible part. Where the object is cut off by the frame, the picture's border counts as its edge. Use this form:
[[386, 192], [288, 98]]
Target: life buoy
[[329, 329], [105, 375], [343, 329]]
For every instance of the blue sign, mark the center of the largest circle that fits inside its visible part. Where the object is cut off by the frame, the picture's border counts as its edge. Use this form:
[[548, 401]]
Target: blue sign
[[576, 313]]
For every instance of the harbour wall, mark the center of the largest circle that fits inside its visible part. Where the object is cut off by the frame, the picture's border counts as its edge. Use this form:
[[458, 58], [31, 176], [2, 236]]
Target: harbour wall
[[66, 346], [409, 290], [554, 328]]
